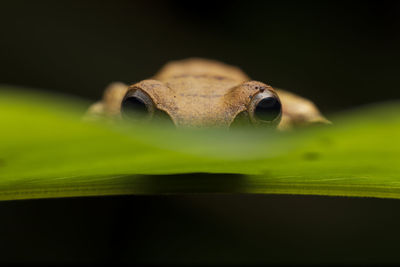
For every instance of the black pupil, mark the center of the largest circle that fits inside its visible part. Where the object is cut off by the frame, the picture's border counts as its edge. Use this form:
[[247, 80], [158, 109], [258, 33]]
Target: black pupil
[[268, 109], [133, 107]]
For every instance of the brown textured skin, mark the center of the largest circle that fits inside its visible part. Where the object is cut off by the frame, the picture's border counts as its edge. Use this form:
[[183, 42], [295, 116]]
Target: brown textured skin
[[205, 93]]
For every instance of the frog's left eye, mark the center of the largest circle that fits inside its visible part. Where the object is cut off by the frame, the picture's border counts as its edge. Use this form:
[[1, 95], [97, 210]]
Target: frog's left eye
[[265, 108], [137, 105]]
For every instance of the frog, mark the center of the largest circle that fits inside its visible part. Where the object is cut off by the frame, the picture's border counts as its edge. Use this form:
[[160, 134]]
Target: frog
[[204, 93]]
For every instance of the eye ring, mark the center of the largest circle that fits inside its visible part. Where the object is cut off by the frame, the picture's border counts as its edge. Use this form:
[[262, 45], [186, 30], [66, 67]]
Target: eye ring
[[137, 105], [265, 109]]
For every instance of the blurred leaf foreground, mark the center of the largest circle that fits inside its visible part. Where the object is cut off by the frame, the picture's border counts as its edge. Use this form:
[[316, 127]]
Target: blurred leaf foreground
[[47, 151]]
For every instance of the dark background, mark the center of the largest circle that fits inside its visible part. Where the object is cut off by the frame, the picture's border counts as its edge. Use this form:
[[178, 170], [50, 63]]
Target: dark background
[[339, 55]]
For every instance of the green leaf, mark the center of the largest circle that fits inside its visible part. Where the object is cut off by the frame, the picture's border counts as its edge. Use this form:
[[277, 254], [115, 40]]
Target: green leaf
[[46, 150]]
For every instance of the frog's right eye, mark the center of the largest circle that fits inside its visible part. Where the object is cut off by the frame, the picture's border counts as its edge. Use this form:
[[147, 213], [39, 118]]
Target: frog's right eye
[[137, 105], [265, 108]]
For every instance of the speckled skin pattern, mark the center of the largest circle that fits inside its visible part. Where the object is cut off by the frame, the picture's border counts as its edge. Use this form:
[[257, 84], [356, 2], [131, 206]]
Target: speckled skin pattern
[[206, 93]]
